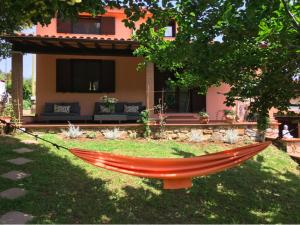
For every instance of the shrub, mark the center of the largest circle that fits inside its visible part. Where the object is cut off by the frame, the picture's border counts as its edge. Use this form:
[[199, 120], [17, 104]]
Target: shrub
[[91, 135], [229, 112], [203, 114], [144, 120], [112, 134], [72, 131], [26, 104], [132, 134], [231, 137]]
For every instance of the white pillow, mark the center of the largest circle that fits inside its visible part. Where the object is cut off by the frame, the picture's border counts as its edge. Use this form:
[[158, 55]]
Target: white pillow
[[131, 108], [62, 108]]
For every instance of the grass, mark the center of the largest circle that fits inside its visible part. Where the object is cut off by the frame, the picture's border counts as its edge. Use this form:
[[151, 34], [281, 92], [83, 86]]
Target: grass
[[64, 189]]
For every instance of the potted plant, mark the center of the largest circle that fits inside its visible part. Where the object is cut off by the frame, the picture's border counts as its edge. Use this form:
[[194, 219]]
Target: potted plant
[[230, 115], [7, 113], [203, 117], [110, 103]]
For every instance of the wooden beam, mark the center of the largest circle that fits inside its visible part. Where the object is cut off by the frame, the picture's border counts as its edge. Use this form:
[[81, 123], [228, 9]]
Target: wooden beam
[[64, 44], [17, 84], [97, 46], [46, 43], [81, 45], [28, 48]]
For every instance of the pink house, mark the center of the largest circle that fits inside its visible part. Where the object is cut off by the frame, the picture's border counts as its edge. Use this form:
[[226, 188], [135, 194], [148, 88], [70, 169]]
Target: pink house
[[84, 60]]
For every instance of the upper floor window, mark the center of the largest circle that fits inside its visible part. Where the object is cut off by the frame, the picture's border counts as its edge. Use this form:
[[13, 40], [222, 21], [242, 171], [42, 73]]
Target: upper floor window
[[170, 29], [87, 25]]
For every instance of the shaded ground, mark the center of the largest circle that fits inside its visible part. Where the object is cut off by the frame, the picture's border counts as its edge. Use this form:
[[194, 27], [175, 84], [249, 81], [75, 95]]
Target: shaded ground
[[63, 189]]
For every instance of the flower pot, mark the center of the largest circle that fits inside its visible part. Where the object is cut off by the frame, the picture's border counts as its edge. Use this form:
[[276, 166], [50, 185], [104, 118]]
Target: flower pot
[[203, 120], [7, 119], [230, 118]]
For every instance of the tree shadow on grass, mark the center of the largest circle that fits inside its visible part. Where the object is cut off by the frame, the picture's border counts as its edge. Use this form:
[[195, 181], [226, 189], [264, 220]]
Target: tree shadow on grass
[[250, 193], [62, 190], [59, 191], [182, 153]]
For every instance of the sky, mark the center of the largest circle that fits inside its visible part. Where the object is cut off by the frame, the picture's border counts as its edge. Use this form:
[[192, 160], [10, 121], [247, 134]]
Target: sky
[[5, 64]]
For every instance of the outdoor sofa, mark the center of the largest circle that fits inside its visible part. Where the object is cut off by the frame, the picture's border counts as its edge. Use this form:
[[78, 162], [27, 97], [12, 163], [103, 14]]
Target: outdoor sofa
[[63, 111], [122, 111]]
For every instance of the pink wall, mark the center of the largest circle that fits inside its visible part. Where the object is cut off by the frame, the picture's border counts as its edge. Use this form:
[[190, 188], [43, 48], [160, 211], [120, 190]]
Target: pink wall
[[130, 84], [121, 30], [215, 101]]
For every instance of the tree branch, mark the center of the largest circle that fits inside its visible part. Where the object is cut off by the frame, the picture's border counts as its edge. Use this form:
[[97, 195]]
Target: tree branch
[[290, 14]]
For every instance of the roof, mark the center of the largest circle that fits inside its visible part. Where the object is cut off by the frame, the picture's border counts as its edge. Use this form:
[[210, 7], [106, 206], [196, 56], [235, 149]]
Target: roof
[[73, 45]]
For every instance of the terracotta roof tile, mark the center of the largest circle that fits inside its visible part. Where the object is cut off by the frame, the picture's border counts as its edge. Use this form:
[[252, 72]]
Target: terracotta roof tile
[[67, 37]]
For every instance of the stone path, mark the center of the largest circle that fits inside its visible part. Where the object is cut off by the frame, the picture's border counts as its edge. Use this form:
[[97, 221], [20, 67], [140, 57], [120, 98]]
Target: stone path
[[19, 161], [16, 217], [13, 193], [22, 150]]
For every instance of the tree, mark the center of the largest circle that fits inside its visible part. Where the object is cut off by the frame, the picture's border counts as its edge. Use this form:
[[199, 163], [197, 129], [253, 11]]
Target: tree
[[259, 55]]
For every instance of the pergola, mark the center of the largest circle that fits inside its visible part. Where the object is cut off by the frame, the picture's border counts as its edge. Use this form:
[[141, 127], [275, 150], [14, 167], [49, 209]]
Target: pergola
[[67, 45]]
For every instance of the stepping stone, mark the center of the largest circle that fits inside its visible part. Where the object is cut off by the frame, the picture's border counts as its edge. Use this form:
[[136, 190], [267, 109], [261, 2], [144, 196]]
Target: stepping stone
[[15, 175], [13, 193], [19, 161], [29, 142], [23, 150], [15, 217]]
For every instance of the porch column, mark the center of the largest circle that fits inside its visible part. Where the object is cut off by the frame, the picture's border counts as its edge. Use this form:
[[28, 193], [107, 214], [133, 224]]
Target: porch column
[[17, 84], [150, 86]]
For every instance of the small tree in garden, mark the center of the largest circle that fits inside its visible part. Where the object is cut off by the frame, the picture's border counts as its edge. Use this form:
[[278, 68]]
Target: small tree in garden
[[144, 120], [160, 109]]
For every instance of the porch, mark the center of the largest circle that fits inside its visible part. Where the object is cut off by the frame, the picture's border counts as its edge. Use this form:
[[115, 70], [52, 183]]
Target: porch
[[81, 70], [57, 56]]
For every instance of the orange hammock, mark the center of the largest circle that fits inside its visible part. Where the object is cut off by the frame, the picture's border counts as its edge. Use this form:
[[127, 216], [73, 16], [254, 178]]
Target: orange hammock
[[175, 173]]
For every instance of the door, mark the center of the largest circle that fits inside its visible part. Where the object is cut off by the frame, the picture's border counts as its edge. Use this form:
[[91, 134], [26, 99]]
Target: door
[[177, 100]]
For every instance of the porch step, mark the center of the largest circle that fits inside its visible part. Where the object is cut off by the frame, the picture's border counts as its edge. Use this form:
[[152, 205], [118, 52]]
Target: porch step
[[181, 118]]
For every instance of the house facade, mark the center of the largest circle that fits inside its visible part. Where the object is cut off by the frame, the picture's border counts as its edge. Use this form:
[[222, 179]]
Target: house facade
[[86, 59]]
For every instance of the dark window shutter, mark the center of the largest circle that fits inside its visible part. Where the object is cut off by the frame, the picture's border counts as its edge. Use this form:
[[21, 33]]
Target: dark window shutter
[[64, 26], [107, 78], [108, 25], [63, 75]]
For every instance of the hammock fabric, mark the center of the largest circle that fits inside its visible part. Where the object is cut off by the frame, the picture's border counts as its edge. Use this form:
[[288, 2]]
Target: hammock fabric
[[175, 173]]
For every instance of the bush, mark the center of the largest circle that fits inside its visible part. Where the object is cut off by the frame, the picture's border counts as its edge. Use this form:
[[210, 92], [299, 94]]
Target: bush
[[231, 137], [72, 132], [26, 104], [112, 134], [91, 135]]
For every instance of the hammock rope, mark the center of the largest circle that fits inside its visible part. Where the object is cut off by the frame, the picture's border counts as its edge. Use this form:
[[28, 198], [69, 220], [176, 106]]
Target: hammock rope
[[176, 173]]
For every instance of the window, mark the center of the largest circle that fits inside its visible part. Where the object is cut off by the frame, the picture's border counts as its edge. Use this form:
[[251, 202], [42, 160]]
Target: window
[[85, 76], [87, 25], [170, 30]]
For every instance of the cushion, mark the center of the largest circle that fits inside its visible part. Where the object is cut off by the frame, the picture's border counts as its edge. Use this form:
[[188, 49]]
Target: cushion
[[119, 107], [106, 109], [61, 108], [48, 108], [131, 109]]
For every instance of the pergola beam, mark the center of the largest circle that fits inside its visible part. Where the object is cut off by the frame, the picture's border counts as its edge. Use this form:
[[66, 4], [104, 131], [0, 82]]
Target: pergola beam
[[64, 50]]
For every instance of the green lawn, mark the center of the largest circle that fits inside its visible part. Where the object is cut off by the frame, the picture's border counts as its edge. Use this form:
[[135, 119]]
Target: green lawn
[[64, 189]]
